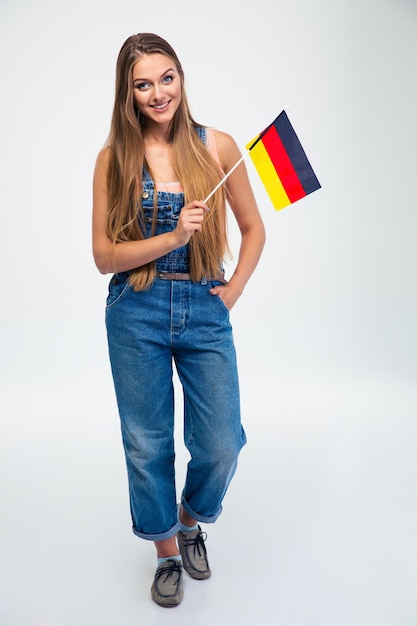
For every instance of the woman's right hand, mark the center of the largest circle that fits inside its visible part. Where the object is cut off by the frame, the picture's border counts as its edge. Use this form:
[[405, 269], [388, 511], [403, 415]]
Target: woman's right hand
[[190, 221], [128, 255]]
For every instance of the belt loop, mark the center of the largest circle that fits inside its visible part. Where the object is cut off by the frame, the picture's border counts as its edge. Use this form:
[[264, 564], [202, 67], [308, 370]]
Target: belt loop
[[203, 281]]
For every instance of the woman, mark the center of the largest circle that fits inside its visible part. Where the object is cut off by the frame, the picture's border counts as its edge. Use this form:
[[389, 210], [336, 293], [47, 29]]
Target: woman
[[168, 301]]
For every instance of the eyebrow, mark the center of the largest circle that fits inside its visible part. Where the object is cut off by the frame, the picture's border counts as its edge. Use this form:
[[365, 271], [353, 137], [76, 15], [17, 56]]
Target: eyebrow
[[146, 80]]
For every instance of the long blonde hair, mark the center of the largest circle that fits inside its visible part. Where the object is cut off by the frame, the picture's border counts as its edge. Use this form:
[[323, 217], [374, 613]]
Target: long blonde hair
[[194, 167]]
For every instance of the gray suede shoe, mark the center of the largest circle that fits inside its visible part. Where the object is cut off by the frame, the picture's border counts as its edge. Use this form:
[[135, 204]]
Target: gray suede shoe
[[167, 588], [194, 553]]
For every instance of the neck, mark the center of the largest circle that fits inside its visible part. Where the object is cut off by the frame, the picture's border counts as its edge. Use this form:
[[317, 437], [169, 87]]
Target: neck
[[156, 134]]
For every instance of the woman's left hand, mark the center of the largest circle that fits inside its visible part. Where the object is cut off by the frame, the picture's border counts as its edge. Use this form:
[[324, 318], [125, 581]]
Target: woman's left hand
[[227, 294]]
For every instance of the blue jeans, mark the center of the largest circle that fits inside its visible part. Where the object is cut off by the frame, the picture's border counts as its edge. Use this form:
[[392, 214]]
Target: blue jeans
[[174, 322]]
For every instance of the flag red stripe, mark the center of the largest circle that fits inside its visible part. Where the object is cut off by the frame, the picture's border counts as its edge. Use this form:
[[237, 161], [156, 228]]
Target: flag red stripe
[[283, 165]]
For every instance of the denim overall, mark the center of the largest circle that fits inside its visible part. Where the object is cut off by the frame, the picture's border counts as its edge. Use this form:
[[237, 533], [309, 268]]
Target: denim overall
[[173, 322]]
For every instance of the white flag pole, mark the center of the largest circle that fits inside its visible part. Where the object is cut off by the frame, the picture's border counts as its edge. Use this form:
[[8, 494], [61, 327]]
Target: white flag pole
[[227, 176], [236, 164]]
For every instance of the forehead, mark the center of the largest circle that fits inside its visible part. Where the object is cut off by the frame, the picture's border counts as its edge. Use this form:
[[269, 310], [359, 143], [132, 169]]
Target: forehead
[[152, 65]]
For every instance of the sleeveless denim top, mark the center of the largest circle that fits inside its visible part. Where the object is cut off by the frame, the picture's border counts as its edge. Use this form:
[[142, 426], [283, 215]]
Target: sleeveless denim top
[[169, 208]]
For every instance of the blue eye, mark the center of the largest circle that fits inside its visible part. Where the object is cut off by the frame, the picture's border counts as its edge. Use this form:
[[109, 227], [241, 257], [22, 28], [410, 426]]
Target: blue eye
[[142, 86], [168, 79]]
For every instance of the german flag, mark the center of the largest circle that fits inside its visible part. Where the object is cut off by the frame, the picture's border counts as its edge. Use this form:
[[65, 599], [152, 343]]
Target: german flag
[[282, 164]]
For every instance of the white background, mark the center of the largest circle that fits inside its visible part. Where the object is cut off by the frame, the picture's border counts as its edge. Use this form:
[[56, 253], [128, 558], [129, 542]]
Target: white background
[[319, 525]]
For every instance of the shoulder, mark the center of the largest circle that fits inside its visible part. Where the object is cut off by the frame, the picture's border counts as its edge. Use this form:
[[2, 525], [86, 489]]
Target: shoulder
[[102, 162], [224, 141], [227, 148], [103, 158], [101, 170]]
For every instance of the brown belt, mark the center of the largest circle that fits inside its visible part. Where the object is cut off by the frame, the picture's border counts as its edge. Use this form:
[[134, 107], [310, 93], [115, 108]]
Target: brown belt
[[179, 276]]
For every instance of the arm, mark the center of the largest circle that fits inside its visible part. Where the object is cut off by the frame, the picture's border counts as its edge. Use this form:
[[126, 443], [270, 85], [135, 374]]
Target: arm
[[245, 210], [131, 254]]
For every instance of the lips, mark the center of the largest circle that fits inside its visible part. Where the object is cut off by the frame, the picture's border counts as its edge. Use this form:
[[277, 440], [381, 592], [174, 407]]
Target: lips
[[160, 107]]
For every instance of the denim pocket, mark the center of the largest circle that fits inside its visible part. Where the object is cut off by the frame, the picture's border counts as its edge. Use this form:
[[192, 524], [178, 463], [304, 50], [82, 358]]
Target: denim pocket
[[117, 288], [167, 214], [217, 283]]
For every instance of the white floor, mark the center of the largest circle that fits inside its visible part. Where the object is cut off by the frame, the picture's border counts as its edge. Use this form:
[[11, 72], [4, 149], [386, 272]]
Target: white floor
[[318, 529]]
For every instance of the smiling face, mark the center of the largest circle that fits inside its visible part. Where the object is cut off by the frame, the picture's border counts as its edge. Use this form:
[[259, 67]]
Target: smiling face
[[156, 87]]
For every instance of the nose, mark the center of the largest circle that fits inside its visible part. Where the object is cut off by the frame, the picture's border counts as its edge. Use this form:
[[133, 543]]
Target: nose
[[157, 92]]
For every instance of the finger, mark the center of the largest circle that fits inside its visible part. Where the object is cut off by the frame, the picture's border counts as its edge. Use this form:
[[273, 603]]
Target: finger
[[201, 205]]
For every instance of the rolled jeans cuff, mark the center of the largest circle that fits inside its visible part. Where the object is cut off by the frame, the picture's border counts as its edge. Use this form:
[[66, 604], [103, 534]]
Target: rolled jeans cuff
[[160, 536], [197, 516]]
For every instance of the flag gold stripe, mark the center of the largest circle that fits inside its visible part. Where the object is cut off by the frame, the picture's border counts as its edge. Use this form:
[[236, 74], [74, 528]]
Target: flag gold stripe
[[268, 175]]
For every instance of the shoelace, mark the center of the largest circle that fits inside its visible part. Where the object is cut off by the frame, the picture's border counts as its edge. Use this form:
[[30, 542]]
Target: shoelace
[[172, 568], [198, 544]]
